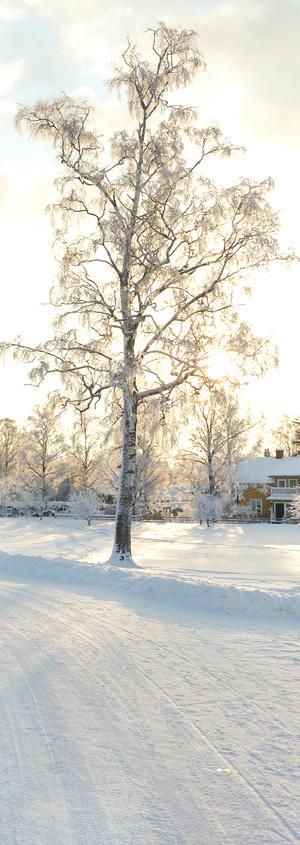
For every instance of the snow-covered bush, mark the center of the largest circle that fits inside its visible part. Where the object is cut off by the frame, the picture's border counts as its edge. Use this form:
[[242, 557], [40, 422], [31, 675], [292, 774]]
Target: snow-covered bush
[[294, 508], [4, 495], [11, 498], [207, 507], [212, 508], [85, 504]]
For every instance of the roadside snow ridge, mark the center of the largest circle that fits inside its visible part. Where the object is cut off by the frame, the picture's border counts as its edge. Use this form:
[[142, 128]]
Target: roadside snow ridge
[[141, 587]]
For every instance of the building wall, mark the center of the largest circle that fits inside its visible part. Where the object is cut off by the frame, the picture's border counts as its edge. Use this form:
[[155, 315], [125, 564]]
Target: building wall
[[257, 492]]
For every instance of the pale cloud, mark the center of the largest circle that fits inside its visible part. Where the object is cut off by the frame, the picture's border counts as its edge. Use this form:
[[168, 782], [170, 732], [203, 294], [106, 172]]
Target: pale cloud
[[27, 262], [28, 276], [96, 42], [4, 194], [7, 110], [68, 10], [108, 113], [254, 47], [10, 74], [10, 11]]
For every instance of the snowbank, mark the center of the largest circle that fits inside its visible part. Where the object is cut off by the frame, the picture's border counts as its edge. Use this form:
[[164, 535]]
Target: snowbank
[[149, 590]]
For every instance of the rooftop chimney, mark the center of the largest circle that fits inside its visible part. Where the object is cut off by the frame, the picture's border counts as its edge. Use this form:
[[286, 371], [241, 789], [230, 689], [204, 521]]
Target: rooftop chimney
[[279, 454]]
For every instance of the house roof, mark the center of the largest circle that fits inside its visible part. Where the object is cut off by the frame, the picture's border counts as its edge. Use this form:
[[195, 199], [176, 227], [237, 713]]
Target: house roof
[[260, 470]]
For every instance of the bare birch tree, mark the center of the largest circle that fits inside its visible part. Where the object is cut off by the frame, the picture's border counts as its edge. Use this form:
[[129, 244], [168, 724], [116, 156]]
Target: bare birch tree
[[147, 276]]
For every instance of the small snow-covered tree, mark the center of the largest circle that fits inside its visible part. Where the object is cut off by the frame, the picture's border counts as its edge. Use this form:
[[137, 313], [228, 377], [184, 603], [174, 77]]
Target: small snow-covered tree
[[294, 508], [207, 506], [84, 504], [148, 274], [9, 495]]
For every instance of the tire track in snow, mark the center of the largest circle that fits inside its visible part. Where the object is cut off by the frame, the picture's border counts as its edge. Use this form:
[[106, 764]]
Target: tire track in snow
[[159, 647], [22, 725], [228, 760], [254, 705], [250, 704], [248, 784], [207, 812], [213, 747], [225, 759], [72, 784], [194, 728]]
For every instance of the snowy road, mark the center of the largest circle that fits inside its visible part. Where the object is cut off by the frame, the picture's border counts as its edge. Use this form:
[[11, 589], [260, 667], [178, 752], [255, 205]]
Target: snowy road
[[119, 727]]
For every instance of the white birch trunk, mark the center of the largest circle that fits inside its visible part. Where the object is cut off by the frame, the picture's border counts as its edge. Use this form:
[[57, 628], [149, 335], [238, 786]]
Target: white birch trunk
[[126, 497], [211, 478], [122, 543], [127, 482]]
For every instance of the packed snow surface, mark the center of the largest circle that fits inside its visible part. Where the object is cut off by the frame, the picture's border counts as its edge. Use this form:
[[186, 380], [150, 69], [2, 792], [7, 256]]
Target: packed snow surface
[[252, 568], [152, 706]]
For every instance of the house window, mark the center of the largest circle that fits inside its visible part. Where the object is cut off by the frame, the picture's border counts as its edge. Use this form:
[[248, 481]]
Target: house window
[[281, 482], [256, 506], [292, 482]]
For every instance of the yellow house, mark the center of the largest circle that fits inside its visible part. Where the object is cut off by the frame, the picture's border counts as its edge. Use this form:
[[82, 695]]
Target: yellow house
[[268, 485], [285, 486]]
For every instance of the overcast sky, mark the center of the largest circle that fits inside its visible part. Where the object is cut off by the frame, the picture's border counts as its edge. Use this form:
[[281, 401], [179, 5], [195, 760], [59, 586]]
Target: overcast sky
[[251, 87]]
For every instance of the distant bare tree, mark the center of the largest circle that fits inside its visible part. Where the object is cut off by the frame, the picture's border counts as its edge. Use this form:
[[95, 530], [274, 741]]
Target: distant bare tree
[[217, 440], [152, 470], [152, 473], [146, 286], [287, 435], [10, 441], [82, 454], [44, 450], [296, 424]]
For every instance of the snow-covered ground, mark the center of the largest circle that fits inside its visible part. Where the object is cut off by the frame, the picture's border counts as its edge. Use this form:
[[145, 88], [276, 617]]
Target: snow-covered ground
[[155, 706], [253, 568]]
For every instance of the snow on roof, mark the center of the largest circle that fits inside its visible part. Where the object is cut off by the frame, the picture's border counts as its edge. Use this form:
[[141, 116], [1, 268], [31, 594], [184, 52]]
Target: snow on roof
[[286, 466], [259, 470]]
